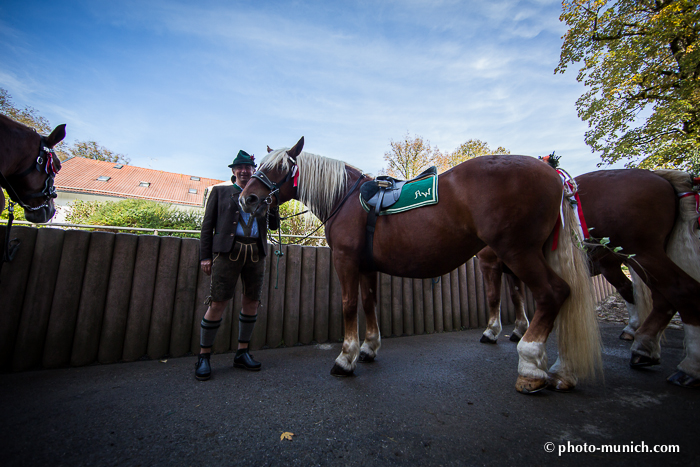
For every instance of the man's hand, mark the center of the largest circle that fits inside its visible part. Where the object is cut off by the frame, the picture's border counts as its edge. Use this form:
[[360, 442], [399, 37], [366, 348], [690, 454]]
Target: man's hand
[[206, 266]]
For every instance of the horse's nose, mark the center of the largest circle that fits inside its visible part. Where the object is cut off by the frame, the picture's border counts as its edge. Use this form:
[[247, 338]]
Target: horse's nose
[[251, 200]]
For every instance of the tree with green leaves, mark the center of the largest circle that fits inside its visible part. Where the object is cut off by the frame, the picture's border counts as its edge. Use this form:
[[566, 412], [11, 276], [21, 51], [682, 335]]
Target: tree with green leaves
[[93, 150], [467, 150], [294, 223], [640, 60], [30, 117], [18, 211], [409, 157]]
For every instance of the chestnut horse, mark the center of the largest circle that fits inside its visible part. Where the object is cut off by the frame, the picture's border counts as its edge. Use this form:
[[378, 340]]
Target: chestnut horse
[[511, 203], [28, 167], [653, 217]]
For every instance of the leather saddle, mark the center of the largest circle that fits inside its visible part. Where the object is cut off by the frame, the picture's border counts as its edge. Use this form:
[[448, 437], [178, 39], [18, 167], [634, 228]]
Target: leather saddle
[[385, 191], [378, 194]]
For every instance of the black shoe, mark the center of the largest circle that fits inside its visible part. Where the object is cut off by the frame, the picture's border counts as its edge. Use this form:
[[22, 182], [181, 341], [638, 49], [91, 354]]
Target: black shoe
[[202, 367], [245, 361]]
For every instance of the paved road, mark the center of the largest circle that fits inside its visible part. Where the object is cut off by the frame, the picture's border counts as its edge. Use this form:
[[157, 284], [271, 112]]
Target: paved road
[[442, 399]]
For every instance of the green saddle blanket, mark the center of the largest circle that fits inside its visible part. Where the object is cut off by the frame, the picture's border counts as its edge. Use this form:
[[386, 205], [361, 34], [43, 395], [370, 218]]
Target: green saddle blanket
[[415, 194]]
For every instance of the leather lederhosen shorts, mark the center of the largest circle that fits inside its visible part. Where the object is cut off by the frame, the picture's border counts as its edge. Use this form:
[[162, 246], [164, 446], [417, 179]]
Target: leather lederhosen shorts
[[244, 261]]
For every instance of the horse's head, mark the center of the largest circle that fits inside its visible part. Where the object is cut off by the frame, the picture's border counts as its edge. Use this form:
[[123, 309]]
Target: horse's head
[[30, 167], [273, 183]]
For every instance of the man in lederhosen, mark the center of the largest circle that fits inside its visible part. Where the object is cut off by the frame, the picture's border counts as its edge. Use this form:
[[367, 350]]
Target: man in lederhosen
[[233, 243]]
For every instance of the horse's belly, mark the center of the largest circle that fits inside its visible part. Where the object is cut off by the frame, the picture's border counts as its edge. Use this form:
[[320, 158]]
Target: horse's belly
[[429, 260]]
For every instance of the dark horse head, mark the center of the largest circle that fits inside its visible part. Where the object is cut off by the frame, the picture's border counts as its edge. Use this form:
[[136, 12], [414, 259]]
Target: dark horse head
[[269, 185], [28, 166]]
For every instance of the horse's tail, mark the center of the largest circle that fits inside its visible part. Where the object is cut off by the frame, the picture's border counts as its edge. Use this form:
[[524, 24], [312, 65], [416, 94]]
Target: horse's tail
[[578, 336], [683, 244]]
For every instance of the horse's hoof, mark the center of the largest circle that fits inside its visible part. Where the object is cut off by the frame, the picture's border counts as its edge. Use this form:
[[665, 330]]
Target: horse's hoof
[[338, 370], [626, 336], [525, 385], [366, 358], [556, 384], [684, 380], [642, 361], [514, 337], [487, 340]]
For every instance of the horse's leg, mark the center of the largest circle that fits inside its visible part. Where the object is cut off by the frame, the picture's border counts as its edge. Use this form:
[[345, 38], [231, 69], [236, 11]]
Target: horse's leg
[[688, 370], [646, 350], [688, 374], [516, 295], [549, 291], [561, 286], [492, 270], [672, 289], [684, 250], [610, 267], [348, 275], [373, 339]]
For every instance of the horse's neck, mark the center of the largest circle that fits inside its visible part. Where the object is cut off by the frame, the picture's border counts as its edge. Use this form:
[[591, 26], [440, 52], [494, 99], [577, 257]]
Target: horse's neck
[[12, 155], [353, 175]]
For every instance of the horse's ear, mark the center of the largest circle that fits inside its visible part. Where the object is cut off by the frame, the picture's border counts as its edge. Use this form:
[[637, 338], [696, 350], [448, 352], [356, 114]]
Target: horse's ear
[[296, 150], [56, 136], [269, 149]]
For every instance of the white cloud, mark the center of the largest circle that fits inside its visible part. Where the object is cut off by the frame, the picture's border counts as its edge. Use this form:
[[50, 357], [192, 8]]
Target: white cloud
[[189, 84]]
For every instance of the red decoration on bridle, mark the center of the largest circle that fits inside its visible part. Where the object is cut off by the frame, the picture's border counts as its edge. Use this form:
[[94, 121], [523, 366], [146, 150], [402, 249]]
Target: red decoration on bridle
[[697, 202], [49, 163], [571, 185]]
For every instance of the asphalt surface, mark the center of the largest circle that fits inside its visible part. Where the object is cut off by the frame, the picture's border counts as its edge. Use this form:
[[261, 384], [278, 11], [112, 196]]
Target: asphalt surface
[[441, 399]]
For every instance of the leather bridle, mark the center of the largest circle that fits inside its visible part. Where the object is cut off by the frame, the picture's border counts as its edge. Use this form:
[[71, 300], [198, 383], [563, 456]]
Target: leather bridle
[[272, 186], [44, 162]]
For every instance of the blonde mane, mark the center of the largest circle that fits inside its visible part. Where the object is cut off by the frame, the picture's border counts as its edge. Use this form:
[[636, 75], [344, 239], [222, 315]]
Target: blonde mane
[[322, 180]]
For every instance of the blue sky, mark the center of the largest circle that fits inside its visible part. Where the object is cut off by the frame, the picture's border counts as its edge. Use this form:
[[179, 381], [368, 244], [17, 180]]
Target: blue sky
[[182, 86]]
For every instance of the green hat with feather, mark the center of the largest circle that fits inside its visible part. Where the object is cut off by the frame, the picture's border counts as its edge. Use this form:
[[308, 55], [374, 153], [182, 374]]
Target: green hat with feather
[[243, 158]]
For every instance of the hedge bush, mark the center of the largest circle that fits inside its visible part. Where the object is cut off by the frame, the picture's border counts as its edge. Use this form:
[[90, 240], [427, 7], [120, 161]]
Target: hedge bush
[[135, 213]]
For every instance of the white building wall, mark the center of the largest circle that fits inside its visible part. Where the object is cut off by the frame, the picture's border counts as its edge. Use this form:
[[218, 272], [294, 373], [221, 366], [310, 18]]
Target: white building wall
[[64, 199]]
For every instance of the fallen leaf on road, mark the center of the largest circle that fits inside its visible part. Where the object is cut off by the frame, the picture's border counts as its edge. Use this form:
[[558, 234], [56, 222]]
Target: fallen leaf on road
[[286, 435]]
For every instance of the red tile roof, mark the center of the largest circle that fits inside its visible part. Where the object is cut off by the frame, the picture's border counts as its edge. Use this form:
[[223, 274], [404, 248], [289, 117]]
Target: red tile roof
[[79, 175]]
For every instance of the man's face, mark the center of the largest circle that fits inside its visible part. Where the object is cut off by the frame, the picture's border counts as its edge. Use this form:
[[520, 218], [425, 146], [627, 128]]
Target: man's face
[[243, 173]]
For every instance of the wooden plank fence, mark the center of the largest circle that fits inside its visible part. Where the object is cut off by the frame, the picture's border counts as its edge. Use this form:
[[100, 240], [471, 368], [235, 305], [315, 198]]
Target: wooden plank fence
[[73, 298]]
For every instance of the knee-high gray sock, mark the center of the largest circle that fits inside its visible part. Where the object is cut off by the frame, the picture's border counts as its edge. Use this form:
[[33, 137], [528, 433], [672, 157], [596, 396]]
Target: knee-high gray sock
[[208, 333], [246, 324]]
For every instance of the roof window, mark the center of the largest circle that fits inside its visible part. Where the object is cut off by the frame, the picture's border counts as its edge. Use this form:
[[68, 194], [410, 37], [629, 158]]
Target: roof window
[[196, 179], [193, 191], [103, 178], [118, 166], [146, 184]]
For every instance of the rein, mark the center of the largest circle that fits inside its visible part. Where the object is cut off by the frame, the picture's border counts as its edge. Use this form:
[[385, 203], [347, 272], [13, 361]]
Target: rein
[[275, 188], [43, 162]]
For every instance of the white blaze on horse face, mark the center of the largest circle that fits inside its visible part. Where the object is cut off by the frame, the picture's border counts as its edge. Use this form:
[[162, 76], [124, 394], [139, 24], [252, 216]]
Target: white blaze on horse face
[[532, 360], [691, 363]]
